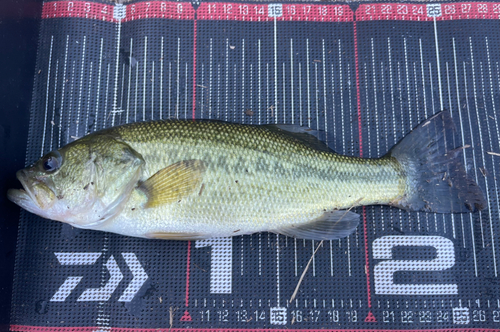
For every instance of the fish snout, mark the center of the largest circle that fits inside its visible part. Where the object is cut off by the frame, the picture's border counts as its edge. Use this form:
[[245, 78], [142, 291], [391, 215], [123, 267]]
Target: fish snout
[[39, 192]]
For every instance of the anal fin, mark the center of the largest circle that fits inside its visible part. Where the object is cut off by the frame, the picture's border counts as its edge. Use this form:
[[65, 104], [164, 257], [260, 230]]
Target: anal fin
[[331, 225]]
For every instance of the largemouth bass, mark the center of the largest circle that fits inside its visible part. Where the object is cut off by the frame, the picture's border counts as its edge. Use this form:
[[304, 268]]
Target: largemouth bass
[[191, 180]]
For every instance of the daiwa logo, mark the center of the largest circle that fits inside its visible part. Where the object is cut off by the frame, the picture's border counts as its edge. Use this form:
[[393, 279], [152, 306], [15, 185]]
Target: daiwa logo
[[103, 293]]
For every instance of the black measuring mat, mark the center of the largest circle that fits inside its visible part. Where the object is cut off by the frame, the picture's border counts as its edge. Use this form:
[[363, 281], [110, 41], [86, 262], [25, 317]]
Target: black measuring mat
[[364, 74]]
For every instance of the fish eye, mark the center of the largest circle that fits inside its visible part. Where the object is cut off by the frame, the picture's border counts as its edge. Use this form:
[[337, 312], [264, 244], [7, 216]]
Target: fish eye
[[52, 162]]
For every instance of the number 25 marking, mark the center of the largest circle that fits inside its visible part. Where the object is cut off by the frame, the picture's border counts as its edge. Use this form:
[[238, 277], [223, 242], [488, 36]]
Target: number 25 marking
[[384, 271]]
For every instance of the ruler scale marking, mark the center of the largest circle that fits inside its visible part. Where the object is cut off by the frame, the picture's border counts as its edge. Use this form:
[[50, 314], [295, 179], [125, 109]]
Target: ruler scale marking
[[494, 174], [476, 106], [475, 172], [47, 96], [129, 77], [291, 55], [52, 122]]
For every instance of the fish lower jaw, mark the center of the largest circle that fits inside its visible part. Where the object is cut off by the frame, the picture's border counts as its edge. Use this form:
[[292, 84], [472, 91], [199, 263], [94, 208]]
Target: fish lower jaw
[[23, 198]]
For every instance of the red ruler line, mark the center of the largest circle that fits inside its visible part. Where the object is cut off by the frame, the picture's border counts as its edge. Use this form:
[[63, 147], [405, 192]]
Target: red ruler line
[[428, 12], [99, 11], [26, 328], [159, 9], [206, 11], [194, 69], [269, 12], [188, 272], [82, 9], [186, 317], [370, 317]]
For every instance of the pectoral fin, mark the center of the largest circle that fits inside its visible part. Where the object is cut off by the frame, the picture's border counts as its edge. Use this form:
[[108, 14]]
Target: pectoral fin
[[173, 183], [330, 226]]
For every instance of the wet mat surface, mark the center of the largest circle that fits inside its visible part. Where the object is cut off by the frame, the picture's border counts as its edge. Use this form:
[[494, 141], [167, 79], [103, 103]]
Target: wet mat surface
[[365, 74]]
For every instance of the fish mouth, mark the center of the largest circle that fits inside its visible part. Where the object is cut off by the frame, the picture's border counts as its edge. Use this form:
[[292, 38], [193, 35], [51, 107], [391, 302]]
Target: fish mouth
[[24, 197]]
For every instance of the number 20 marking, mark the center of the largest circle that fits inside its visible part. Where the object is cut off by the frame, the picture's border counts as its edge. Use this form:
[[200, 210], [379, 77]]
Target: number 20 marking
[[384, 271]]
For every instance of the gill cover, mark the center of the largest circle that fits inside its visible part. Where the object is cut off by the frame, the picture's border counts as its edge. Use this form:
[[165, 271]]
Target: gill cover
[[116, 170]]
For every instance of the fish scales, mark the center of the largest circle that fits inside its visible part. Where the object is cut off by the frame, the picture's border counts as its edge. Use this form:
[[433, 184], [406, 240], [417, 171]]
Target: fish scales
[[255, 178]]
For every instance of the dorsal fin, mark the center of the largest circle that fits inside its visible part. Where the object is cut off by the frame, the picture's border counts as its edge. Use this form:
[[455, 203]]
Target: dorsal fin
[[306, 135]]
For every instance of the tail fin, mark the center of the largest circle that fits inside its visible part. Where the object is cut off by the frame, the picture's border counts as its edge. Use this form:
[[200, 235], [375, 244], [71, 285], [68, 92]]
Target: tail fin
[[436, 179]]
